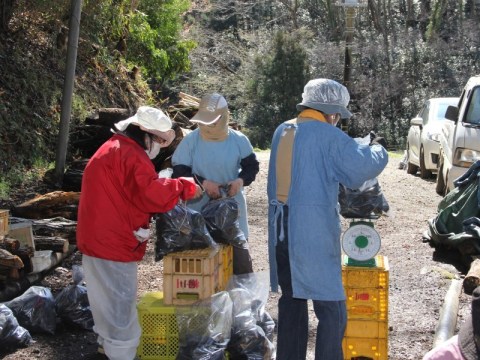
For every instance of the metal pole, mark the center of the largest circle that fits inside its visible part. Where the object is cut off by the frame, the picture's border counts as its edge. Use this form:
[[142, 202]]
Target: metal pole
[[74, 28], [349, 29], [448, 314]]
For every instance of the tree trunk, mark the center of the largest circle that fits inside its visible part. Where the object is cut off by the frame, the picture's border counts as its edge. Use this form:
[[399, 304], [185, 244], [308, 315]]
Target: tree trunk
[[6, 12]]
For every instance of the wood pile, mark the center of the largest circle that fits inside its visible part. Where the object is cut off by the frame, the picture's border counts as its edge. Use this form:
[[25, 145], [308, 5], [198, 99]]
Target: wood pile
[[19, 248]]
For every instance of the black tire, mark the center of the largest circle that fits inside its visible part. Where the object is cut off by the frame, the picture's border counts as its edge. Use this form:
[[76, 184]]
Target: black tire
[[424, 173], [411, 168], [440, 182]]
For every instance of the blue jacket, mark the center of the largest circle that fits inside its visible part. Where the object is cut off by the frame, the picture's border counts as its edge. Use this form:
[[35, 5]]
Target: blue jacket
[[323, 156]]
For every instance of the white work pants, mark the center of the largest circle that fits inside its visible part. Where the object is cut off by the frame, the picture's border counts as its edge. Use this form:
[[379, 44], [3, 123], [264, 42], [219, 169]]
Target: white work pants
[[112, 293]]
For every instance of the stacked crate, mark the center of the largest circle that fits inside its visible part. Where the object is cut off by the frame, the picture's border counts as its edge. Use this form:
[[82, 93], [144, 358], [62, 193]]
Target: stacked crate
[[193, 275], [160, 333], [366, 289], [188, 277]]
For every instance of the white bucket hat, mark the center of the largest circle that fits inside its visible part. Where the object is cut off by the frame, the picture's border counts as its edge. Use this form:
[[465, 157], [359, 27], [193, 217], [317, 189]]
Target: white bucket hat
[[150, 120], [212, 107], [327, 96]]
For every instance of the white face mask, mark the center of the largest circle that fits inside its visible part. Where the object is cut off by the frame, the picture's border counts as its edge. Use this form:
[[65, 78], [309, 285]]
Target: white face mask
[[154, 150]]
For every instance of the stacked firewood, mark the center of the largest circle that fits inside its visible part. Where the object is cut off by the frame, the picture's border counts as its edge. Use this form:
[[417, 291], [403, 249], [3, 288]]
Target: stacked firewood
[[19, 246]]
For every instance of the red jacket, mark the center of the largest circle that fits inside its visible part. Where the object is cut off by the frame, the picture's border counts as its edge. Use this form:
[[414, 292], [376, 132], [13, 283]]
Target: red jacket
[[120, 191]]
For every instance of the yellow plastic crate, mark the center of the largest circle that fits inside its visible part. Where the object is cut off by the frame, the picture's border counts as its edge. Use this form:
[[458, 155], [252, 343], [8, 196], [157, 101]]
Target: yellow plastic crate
[[366, 277], [3, 222], [366, 329], [159, 324], [367, 303], [226, 266], [159, 340], [376, 349]]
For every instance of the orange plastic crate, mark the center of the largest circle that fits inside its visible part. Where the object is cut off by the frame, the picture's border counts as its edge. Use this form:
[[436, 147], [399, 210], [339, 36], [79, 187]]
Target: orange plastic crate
[[367, 303], [373, 348], [366, 277]]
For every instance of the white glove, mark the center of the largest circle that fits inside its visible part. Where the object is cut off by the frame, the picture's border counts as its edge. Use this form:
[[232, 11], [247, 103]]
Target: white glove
[[165, 173], [142, 234]]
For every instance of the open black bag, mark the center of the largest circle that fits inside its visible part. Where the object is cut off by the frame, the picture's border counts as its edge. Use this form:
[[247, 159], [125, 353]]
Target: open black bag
[[221, 217], [181, 229]]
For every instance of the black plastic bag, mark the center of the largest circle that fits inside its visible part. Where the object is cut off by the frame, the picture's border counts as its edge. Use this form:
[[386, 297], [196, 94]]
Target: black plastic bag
[[181, 229], [35, 310], [221, 216], [12, 335], [72, 304], [367, 202]]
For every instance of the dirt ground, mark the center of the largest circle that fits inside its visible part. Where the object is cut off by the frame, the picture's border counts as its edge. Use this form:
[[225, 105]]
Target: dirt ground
[[419, 275]]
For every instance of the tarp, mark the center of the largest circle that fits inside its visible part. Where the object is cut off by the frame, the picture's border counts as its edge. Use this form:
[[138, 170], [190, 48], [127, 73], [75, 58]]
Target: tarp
[[457, 224]]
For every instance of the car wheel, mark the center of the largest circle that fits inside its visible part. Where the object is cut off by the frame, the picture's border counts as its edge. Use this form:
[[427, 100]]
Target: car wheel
[[440, 183], [411, 168], [424, 173]]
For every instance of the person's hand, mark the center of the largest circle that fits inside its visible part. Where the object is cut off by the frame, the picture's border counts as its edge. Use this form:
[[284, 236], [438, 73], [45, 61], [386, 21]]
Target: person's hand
[[198, 192], [212, 189], [234, 187]]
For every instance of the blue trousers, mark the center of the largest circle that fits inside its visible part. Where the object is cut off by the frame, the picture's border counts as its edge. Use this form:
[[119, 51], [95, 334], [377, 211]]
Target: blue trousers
[[292, 335]]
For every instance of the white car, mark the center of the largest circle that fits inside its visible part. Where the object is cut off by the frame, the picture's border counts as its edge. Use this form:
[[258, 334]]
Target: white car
[[423, 136]]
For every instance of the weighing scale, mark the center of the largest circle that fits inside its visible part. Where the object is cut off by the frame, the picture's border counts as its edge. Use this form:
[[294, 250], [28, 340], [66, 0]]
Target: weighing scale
[[361, 242]]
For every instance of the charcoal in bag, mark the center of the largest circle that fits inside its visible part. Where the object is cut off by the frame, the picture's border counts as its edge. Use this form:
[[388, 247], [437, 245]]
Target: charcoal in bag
[[180, 229], [35, 310], [221, 216], [72, 304]]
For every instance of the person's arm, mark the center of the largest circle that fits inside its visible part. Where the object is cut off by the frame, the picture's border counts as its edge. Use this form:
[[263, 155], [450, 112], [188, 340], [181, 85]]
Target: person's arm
[[250, 168], [186, 171]]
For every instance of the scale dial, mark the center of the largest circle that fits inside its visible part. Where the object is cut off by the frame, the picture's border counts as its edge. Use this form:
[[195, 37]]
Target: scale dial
[[361, 242]]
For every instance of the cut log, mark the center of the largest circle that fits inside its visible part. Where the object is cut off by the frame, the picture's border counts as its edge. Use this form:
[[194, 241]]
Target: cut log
[[57, 227], [472, 280], [54, 243], [53, 204], [184, 96], [10, 260], [11, 245]]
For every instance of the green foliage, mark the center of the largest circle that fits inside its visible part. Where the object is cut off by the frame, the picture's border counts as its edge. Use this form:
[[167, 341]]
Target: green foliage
[[276, 85], [155, 42], [151, 32], [18, 176]]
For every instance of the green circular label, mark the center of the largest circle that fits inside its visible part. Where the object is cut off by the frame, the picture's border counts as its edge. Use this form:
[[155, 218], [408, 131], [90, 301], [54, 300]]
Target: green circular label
[[361, 241]]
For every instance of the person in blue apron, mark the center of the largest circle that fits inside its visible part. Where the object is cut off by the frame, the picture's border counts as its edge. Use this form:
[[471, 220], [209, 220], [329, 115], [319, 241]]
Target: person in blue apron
[[309, 158], [218, 157]]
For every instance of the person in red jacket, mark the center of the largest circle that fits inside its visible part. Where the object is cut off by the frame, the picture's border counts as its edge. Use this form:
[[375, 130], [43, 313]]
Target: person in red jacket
[[120, 192]]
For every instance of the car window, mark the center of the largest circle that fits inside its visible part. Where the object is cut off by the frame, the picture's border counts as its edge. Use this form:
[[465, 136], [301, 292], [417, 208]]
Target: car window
[[441, 110], [473, 114]]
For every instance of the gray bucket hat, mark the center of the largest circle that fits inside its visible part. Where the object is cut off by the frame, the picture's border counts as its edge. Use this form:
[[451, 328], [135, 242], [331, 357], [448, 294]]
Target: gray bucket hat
[[327, 96]]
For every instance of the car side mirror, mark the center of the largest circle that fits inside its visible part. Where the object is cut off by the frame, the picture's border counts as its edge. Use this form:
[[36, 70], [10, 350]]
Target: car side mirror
[[452, 113], [418, 121]]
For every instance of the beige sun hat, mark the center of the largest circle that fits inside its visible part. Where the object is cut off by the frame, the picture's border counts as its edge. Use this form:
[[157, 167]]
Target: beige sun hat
[[212, 107], [151, 120]]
